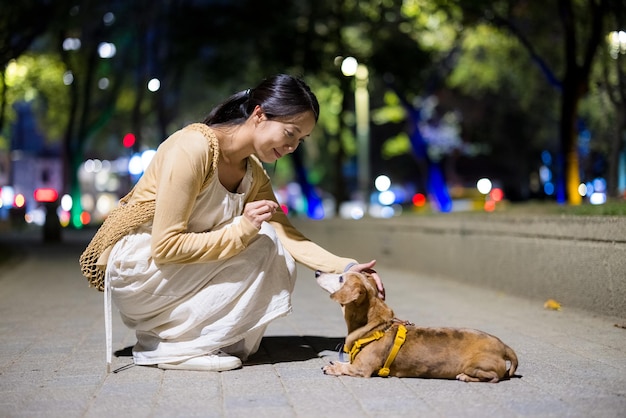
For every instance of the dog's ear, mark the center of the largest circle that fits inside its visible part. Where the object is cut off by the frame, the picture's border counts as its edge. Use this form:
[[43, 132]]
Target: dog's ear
[[352, 291], [369, 281]]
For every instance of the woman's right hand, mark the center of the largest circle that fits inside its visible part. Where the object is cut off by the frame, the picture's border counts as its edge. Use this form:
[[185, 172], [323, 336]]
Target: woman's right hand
[[260, 211]]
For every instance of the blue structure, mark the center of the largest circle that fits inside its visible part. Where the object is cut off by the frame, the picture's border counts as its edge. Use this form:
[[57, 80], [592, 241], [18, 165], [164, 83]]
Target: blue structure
[[435, 180], [315, 208]]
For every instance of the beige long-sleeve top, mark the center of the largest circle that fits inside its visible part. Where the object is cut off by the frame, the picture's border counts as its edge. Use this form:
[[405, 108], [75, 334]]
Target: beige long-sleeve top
[[176, 175]]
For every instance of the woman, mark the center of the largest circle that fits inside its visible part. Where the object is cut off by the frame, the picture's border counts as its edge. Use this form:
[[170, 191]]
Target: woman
[[201, 281]]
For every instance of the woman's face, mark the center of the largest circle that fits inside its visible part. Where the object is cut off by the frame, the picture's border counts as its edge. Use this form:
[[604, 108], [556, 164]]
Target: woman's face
[[279, 136]]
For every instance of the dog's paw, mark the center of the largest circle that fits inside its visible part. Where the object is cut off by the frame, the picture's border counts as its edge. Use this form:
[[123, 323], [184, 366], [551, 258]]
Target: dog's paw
[[490, 377], [332, 369], [465, 378]]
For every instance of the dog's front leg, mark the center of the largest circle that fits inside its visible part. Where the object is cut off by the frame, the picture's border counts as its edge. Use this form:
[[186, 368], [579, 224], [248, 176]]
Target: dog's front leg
[[347, 369]]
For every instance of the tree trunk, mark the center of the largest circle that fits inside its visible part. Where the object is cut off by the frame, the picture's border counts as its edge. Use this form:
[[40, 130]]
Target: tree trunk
[[570, 98], [576, 85], [615, 152]]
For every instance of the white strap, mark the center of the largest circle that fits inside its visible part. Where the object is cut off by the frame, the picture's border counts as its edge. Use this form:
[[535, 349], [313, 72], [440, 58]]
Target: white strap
[[108, 329]]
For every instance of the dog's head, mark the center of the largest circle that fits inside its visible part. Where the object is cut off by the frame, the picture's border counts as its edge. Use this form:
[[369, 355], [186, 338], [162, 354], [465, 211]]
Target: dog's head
[[357, 294], [348, 287]]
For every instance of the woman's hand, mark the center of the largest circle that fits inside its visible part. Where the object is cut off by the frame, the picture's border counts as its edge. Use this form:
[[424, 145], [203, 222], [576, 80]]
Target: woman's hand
[[367, 268], [259, 211]]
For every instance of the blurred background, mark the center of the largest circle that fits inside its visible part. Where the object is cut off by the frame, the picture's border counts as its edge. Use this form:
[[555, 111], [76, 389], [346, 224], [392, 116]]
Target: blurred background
[[426, 105]]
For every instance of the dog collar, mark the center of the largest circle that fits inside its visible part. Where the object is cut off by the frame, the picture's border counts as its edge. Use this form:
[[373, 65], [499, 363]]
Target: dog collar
[[397, 344]]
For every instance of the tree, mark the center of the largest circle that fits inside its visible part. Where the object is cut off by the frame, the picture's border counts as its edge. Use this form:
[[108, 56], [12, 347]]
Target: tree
[[582, 23], [579, 57], [21, 23], [203, 50], [95, 80], [612, 82]]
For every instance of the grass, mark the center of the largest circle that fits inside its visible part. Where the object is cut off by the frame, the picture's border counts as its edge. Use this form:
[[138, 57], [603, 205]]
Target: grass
[[615, 207], [611, 208]]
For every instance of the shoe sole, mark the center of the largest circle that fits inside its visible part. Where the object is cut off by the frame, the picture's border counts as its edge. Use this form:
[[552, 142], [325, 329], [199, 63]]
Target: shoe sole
[[200, 367]]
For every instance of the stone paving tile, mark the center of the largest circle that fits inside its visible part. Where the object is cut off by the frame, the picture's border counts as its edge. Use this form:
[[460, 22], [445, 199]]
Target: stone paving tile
[[52, 356]]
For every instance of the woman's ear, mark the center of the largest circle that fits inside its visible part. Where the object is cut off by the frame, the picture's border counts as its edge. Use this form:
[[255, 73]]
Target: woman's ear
[[258, 114]]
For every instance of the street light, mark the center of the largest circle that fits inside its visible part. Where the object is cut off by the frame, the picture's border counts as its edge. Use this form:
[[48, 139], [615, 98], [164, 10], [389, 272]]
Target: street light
[[351, 67]]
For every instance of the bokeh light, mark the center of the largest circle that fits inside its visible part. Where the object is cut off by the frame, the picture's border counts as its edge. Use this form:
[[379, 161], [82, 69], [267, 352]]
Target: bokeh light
[[484, 185], [382, 183]]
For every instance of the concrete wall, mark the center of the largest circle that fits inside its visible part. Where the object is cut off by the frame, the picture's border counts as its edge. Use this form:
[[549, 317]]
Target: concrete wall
[[579, 261]]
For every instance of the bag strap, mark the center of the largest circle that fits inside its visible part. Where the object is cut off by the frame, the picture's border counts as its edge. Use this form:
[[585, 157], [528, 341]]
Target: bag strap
[[128, 216]]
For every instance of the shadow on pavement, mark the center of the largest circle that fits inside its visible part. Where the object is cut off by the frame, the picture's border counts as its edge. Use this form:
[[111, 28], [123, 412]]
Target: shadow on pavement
[[284, 349], [280, 349]]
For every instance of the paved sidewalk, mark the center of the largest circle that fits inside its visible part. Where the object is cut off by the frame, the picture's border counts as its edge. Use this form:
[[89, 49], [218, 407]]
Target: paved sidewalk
[[52, 355]]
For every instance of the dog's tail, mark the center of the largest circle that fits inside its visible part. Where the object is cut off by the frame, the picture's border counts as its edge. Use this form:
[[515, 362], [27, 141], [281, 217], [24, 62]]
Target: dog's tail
[[510, 355]]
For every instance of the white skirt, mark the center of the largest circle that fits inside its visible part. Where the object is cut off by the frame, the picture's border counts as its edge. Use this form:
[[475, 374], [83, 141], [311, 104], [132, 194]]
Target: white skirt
[[181, 311]]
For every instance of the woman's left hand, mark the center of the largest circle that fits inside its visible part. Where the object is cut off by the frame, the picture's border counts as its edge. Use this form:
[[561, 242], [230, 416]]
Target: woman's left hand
[[368, 268]]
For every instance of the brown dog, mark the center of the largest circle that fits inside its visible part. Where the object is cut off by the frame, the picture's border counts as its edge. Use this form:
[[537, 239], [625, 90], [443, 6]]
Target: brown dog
[[379, 343]]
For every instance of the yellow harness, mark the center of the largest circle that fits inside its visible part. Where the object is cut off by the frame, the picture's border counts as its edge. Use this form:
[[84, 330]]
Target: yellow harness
[[397, 344]]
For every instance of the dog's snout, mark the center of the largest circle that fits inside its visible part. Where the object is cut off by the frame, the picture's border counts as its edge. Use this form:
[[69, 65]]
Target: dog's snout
[[317, 273]]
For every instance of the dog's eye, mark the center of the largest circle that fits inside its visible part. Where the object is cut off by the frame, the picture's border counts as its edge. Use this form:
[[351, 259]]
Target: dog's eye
[[340, 279]]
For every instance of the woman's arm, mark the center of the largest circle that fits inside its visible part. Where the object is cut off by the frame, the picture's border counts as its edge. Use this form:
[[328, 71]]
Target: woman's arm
[[179, 170], [300, 247]]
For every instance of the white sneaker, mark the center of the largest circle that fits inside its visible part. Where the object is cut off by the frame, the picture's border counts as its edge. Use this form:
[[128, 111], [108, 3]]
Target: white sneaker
[[214, 362]]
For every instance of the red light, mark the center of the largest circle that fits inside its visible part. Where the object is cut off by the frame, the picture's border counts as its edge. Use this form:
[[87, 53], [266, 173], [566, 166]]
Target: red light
[[497, 194], [129, 140], [285, 209], [85, 218], [490, 206], [419, 199], [46, 194]]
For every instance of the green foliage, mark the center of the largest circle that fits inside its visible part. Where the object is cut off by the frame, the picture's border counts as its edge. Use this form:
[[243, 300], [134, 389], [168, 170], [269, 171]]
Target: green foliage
[[391, 112], [604, 107], [610, 208], [38, 78], [395, 146], [356, 40], [331, 97], [488, 63], [348, 140], [460, 51], [431, 25]]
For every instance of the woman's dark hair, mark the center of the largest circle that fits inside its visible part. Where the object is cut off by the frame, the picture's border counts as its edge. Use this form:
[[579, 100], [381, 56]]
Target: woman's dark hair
[[279, 96]]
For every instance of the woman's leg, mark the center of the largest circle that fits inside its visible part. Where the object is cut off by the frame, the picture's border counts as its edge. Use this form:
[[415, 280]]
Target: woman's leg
[[186, 311]]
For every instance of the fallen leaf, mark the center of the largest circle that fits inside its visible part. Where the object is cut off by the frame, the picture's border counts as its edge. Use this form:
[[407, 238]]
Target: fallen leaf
[[552, 305]]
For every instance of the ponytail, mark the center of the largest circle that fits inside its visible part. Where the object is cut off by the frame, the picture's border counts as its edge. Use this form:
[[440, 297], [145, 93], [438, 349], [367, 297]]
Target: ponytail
[[279, 96], [233, 111]]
